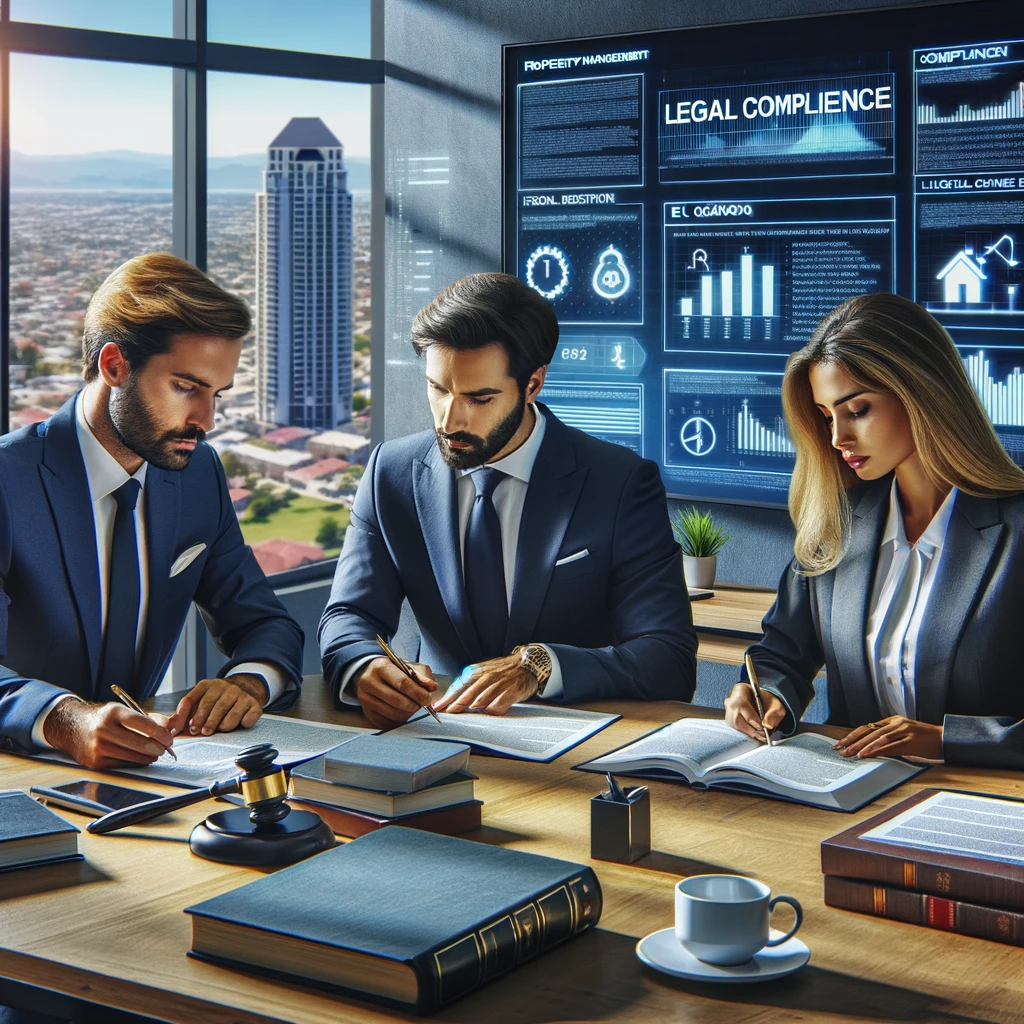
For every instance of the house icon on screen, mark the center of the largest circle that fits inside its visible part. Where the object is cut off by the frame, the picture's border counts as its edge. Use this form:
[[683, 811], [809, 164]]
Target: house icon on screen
[[961, 278]]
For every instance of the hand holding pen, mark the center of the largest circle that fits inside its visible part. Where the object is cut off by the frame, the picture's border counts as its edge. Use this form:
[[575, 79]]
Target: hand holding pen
[[391, 690], [752, 680], [130, 702]]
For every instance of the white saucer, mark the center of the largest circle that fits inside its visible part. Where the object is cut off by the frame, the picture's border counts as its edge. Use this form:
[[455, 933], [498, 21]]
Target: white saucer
[[662, 951]]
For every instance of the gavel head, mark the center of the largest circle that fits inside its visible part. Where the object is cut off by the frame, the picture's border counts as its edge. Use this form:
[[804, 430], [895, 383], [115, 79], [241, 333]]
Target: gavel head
[[264, 786]]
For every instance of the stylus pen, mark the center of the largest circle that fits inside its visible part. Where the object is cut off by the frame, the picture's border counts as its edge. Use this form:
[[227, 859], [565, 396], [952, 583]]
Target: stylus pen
[[407, 669], [752, 679], [128, 702]]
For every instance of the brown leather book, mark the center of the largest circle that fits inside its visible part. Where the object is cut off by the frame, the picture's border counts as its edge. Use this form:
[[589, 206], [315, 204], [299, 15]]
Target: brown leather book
[[446, 821], [930, 911], [936, 872]]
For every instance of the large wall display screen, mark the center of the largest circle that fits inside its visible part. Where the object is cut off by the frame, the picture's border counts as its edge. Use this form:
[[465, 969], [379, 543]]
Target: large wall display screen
[[693, 202]]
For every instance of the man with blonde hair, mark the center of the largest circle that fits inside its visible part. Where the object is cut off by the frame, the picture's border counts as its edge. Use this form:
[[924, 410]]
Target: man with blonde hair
[[115, 517]]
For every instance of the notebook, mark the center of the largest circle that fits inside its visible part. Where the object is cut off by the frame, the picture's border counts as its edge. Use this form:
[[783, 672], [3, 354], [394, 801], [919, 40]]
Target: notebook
[[804, 768], [406, 918]]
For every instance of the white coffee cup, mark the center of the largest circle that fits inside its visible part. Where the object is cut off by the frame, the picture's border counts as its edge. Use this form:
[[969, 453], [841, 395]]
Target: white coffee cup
[[723, 919]]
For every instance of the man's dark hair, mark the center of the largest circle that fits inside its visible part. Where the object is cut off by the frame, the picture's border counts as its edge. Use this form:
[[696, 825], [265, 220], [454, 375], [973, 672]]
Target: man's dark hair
[[481, 309], [148, 300]]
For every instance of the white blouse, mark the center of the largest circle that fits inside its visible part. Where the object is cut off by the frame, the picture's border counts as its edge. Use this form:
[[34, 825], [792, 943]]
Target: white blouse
[[899, 602]]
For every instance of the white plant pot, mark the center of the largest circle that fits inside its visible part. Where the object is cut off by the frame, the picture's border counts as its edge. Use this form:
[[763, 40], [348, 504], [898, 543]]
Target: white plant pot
[[700, 572]]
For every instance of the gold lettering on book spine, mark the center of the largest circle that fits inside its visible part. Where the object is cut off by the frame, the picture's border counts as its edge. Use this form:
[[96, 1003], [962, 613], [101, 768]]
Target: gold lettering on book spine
[[909, 875], [1003, 923], [879, 901], [943, 881]]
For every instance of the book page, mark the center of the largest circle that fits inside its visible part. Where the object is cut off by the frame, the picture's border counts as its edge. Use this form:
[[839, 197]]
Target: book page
[[701, 743], [806, 762], [976, 826], [206, 759], [528, 731]]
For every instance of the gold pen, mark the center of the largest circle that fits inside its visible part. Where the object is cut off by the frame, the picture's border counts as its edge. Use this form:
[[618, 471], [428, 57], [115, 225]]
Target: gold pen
[[752, 679], [129, 702], [407, 669]]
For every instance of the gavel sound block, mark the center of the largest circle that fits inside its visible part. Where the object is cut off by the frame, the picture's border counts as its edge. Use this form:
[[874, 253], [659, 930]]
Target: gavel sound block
[[264, 833]]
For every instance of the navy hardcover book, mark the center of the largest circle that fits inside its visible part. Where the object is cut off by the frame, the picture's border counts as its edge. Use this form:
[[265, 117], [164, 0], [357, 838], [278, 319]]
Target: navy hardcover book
[[403, 917], [393, 764], [32, 834]]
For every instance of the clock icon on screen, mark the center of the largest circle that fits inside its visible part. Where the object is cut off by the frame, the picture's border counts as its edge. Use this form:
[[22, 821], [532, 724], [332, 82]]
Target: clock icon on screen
[[698, 436]]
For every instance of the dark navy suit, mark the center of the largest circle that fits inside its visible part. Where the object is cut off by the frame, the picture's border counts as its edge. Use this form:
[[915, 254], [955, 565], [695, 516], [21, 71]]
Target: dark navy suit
[[618, 619], [50, 601], [968, 674]]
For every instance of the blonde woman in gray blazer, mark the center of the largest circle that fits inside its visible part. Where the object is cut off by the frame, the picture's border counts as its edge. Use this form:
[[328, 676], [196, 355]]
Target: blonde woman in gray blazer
[[908, 577]]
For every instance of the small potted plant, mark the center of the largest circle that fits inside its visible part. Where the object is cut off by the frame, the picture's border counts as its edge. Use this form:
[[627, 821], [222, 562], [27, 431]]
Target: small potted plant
[[701, 540]]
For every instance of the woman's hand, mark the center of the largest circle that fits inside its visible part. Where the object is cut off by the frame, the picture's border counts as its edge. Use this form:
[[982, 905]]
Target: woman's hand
[[893, 737], [741, 711]]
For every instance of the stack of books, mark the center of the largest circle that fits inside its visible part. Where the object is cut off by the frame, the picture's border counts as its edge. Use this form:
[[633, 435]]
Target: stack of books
[[942, 859], [370, 782]]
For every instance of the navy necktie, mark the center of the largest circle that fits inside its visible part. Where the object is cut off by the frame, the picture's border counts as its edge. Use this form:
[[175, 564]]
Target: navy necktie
[[123, 595], [485, 566]]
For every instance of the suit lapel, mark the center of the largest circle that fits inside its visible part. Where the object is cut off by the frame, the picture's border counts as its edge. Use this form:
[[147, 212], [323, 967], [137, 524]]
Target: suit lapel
[[968, 553], [551, 498], [63, 476], [163, 503], [435, 492], [851, 595]]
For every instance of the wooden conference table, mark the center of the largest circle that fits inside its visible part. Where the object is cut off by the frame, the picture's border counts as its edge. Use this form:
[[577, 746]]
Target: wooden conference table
[[111, 930]]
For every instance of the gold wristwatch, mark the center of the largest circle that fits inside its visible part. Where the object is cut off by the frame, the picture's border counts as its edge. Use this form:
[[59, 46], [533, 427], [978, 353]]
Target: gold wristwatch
[[536, 660]]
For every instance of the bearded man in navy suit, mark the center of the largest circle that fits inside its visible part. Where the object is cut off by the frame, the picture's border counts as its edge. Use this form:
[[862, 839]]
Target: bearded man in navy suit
[[538, 555], [115, 517]]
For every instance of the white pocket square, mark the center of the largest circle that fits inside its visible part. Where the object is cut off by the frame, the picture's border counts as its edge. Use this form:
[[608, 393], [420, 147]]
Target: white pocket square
[[186, 558], [575, 557]]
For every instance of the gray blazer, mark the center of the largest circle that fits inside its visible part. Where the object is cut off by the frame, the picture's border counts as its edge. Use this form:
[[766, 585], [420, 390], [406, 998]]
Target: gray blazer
[[971, 646]]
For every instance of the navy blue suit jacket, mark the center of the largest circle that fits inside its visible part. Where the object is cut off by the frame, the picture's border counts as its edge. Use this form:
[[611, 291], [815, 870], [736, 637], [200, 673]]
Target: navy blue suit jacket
[[967, 676], [618, 619], [49, 570]]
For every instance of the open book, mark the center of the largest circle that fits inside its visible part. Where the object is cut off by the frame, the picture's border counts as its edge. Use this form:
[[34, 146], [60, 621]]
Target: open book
[[803, 768]]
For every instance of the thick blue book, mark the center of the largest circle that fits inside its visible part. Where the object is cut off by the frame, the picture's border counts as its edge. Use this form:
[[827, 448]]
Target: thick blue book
[[32, 834], [402, 917], [393, 764]]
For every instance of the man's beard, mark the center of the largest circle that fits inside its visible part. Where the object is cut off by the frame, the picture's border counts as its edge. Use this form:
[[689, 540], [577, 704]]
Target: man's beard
[[137, 429], [484, 449]]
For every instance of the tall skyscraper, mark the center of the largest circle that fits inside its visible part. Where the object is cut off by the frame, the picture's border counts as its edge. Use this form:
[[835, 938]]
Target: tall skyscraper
[[304, 281]]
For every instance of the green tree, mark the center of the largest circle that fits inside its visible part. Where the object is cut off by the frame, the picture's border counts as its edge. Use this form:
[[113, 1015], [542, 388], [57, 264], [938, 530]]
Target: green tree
[[330, 534], [233, 465], [359, 403]]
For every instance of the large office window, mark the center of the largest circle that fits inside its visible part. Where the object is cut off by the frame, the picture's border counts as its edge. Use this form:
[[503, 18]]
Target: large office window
[[90, 188], [288, 182], [236, 134]]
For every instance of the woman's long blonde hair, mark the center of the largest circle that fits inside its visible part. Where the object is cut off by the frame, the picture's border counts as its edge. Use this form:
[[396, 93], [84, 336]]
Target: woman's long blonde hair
[[885, 343]]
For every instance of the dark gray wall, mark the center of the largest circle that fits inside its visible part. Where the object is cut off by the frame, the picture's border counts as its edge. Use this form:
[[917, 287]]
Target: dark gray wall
[[442, 160]]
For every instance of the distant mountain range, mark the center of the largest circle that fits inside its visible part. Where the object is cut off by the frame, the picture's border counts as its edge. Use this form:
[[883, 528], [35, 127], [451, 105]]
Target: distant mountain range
[[124, 169]]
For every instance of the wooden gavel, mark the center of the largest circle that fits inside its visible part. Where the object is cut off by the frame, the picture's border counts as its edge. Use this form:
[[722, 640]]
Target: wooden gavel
[[263, 786]]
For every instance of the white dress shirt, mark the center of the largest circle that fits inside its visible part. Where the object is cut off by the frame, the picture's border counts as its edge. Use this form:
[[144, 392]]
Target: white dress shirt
[[509, 497], [899, 602], [105, 475]]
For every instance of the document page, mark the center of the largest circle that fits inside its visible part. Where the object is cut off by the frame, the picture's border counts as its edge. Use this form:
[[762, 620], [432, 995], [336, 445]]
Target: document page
[[206, 759], [700, 743], [805, 761], [528, 732], [976, 826]]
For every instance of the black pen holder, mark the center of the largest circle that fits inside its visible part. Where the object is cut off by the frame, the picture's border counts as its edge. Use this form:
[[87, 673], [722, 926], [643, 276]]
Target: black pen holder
[[621, 830]]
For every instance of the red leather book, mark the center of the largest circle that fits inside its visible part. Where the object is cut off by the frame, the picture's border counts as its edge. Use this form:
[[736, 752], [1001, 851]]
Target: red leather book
[[445, 821], [935, 872], [930, 911]]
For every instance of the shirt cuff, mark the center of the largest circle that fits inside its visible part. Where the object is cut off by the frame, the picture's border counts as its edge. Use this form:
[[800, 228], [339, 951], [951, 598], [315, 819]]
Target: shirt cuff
[[37, 727], [553, 686], [277, 682], [351, 671]]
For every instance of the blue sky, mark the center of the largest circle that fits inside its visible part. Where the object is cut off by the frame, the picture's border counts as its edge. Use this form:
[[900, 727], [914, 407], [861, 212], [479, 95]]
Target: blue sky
[[61, 106]]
